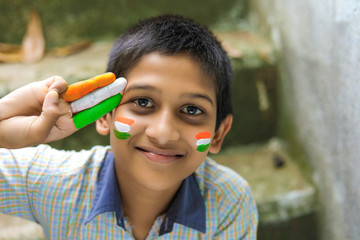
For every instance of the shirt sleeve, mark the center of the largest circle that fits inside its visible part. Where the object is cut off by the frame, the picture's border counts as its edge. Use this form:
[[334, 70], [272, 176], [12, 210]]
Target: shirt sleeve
[[239, 220], [18, 181]]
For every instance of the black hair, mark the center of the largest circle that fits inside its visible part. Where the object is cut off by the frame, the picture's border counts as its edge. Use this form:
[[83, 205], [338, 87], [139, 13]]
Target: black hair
[[171, 35]]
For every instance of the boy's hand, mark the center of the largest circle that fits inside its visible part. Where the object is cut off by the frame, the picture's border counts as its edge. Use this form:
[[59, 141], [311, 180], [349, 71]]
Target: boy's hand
[[35, 114]]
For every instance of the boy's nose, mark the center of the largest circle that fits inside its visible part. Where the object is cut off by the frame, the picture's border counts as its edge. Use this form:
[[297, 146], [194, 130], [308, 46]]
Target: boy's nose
[[163, 128]]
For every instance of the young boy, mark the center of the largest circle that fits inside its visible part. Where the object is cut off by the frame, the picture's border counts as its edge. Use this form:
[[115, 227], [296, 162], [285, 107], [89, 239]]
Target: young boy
[[155, 180]]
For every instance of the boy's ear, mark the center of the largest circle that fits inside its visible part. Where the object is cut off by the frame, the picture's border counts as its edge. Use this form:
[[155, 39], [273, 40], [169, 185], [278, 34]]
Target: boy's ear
[[220, 134], [103, 124]]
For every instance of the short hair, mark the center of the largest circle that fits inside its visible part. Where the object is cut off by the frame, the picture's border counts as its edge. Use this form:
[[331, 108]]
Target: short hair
[[171, 35]]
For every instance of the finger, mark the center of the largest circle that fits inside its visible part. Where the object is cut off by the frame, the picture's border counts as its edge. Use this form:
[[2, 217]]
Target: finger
[[48, 117], [80, 89], [99, 95], [65, 107], [58, 84]]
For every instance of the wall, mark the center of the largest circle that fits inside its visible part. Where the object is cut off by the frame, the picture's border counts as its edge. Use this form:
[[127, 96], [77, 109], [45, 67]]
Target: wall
[[66, 22], [319, 49]]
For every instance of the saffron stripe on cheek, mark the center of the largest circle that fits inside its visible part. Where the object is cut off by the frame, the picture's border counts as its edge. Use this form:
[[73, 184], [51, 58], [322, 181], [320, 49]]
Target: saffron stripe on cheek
[[203, 135], [127, 121]]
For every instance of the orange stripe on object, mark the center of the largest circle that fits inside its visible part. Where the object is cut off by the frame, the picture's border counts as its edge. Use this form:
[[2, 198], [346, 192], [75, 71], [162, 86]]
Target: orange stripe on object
[[125, 120], [80, 89], [203, 135]]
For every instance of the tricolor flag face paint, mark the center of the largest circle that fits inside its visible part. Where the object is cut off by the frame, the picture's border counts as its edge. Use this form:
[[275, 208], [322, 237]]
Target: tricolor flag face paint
[[203, 141], [122, 127]]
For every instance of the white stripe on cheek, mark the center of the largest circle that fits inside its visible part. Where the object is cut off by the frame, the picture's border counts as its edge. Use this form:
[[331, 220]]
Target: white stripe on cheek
[[122, 127], [203, 141]]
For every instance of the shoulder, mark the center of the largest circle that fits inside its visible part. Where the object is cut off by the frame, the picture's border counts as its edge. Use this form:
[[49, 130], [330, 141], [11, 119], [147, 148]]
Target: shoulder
[[61, 162], [229, 202], [48, 160], [222, 182]]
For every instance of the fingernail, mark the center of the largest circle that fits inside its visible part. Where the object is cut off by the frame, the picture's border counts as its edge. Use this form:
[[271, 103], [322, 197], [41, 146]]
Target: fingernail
[[54, 98]]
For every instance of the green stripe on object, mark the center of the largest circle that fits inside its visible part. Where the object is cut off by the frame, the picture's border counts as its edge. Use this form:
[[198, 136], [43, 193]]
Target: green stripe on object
[[90, 115], [121, 135], [203, 147]]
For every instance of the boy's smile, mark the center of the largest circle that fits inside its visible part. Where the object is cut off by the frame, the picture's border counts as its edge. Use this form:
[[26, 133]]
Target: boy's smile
[[169, 100], [160, 155]]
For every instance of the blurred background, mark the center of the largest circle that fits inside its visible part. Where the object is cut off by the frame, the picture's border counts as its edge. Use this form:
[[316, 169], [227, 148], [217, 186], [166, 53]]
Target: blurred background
[[296, 65]]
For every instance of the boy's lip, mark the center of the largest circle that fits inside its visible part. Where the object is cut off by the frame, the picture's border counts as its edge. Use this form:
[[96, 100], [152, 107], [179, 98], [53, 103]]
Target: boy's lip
[[160, 155]]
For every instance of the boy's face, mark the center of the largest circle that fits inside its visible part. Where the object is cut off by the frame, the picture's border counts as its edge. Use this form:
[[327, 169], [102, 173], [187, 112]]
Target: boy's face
[[167, 102]]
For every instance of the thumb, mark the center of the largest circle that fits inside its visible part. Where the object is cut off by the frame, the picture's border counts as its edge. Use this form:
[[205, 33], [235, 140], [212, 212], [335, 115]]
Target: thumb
[[49, 115]]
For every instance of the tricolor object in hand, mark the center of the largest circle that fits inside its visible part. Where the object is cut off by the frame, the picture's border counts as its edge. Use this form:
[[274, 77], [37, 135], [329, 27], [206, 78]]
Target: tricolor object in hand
[[93, 98]]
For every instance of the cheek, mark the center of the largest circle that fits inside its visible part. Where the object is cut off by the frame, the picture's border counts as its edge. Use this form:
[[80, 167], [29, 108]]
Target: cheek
[[203, 140], [122, 127]]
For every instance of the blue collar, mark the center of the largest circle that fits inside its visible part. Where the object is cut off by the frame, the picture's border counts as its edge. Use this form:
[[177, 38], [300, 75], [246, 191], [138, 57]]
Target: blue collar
[[187, 207]]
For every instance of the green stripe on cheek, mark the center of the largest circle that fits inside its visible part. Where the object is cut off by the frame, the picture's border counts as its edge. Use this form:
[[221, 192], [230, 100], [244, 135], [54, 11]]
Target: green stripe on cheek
[[121, 135], [203, 147]]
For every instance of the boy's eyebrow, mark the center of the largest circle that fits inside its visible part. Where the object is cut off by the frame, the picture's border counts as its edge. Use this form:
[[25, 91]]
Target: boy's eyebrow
[[198, 95], [151, 88], [142, 87]]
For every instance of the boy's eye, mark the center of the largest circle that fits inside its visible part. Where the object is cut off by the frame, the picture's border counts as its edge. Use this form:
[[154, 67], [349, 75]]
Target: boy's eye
[[143, 102], [192, 110]]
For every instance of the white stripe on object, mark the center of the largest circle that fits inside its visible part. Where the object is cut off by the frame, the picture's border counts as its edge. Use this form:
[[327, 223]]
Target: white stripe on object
[[203, 141], [98, 95], [122, 127]]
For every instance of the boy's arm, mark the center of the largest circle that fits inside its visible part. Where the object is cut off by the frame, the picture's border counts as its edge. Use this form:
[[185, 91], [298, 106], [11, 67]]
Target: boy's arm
[[35, 114]]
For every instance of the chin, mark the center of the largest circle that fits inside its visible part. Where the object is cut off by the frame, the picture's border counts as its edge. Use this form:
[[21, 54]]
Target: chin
[[161, 184]]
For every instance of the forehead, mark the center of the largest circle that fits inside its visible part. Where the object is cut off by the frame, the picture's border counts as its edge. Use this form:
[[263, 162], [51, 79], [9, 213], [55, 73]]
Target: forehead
[[174, 70]]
